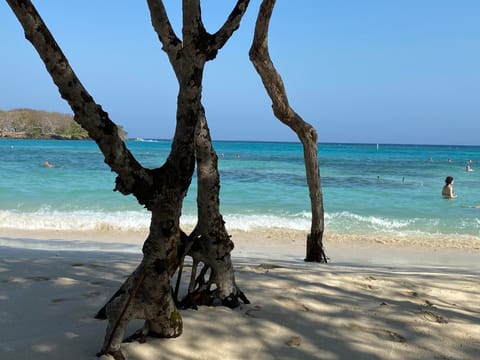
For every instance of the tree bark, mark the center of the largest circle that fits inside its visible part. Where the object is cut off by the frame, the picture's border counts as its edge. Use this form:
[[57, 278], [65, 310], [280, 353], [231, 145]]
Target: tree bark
[[272, 81], [212, 244]]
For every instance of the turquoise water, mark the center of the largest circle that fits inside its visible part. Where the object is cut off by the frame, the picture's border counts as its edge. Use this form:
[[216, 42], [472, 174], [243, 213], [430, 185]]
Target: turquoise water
[[389, 189]]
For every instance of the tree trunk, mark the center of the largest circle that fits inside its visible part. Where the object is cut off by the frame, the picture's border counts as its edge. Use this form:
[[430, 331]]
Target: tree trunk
[[272, 81], [211, 242], [146, 294], [314, 251]]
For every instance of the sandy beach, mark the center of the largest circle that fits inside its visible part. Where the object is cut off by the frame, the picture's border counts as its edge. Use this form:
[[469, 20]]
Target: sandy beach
[[376, 299]]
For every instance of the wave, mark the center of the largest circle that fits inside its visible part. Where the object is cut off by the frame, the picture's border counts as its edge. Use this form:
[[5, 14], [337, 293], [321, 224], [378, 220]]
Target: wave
[[350, 223], [139, 139], [139, 221], [75, 220], [134, 221]]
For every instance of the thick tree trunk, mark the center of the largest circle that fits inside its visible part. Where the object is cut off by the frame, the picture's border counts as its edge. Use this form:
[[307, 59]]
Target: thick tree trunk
[[147, 292], [211, 242], [260, 57]]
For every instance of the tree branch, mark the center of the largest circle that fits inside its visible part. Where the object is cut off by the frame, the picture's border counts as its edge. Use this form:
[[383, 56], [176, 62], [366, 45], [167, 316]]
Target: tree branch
[[225, 32], [260, 57], [192, 21], [172, 45], [87, 113], [272, 81]]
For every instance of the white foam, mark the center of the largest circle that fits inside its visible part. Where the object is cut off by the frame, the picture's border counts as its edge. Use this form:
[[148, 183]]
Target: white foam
[[75, 220], [135, 221], [139, 221]]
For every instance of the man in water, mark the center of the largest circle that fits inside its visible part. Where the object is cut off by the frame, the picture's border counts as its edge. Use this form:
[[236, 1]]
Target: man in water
[[47, 164]]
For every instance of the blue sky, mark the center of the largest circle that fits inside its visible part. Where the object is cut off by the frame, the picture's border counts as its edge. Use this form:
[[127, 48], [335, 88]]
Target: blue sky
[[370, 71]]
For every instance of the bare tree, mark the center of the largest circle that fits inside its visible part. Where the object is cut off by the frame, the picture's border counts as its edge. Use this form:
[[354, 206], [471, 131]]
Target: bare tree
[[147, 293], [260, 57]]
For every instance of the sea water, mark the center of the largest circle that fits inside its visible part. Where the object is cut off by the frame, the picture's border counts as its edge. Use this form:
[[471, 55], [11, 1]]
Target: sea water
[[368, 189]]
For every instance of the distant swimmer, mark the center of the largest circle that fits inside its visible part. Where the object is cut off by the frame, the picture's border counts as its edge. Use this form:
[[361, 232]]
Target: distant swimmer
[[47, 164], [447, 190], [468, 168]]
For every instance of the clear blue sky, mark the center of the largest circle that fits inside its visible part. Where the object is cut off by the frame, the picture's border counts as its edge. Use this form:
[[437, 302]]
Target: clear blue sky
[[375, 71]]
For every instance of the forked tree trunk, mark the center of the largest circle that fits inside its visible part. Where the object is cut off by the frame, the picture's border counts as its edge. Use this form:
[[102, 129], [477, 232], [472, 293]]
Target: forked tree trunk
[[147, 293], [272, 81]]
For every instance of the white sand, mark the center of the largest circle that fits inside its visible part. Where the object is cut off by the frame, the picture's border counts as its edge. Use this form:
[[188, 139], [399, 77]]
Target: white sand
[[375, 300]]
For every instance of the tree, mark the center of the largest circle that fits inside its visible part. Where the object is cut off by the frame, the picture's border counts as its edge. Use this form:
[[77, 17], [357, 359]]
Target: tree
[[146, 294], [260, 57]]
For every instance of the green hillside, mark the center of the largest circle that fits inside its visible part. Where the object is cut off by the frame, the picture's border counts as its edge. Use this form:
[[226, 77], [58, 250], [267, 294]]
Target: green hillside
[[37, 124]]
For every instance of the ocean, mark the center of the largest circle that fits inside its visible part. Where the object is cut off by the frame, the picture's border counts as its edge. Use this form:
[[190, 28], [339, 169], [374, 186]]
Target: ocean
[[369, 190]]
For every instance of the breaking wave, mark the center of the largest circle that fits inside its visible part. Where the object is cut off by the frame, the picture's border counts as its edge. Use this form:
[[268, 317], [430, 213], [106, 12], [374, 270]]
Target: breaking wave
[[127, 221]]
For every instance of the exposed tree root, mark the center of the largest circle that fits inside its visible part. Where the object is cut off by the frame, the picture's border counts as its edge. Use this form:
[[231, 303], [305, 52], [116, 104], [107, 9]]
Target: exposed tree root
[[203, 291], [207, 297]]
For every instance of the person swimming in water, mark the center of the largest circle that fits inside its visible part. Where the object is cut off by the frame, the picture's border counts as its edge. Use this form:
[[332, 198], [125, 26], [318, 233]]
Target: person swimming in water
[[447, 190], [47, 164]]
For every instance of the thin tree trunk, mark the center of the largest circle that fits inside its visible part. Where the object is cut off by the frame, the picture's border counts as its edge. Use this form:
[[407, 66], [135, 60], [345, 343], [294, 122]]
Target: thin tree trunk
[[272, 81]]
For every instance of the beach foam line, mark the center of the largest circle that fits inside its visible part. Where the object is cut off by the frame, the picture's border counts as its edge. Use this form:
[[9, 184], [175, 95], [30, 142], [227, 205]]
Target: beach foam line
[[83, 220], [86, 220], [94, 220]]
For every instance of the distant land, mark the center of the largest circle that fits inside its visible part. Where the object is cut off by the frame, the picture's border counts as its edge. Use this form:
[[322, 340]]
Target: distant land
[[38, 124]]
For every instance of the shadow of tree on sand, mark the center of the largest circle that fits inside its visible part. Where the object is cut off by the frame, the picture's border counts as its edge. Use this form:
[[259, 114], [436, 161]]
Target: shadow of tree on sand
[[298, 311]]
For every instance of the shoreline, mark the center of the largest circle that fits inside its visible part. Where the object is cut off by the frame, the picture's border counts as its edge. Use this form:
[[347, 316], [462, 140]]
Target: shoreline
[[272, 243]]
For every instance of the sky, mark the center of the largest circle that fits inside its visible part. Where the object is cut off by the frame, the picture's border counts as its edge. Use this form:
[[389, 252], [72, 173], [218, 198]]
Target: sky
[[370, 71]]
